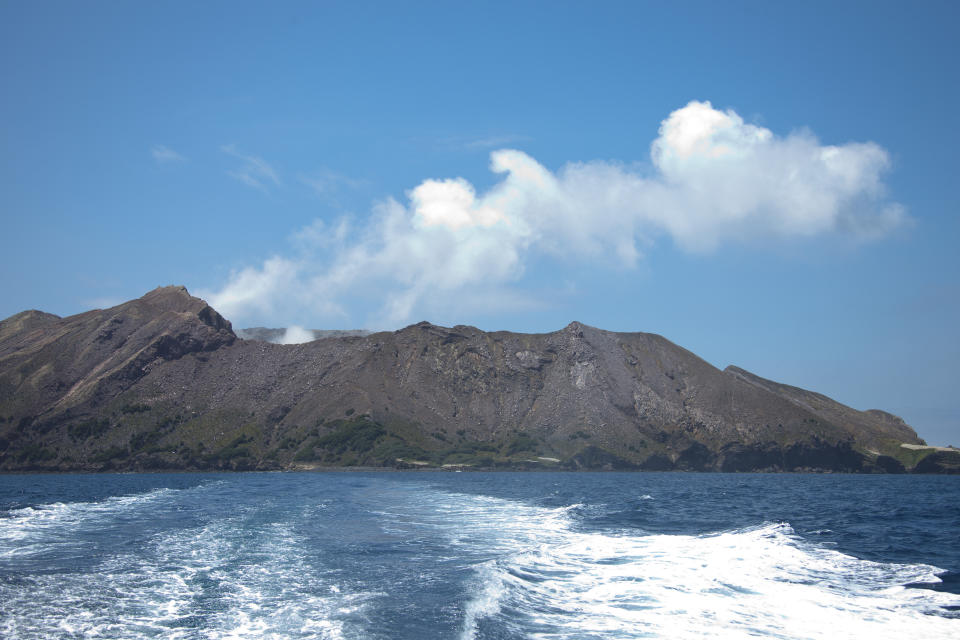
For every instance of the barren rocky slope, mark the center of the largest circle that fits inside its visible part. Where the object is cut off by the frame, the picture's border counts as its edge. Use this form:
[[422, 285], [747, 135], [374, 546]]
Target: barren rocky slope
[[164, 382]]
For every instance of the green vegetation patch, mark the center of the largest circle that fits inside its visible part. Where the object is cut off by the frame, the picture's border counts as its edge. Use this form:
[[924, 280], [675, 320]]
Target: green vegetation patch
[[236, 448], [474, 448], [909, 458], [359, 436], [359, 441], [35, 453], [109, 455], [522, 442], [87, 429], [135, 408]]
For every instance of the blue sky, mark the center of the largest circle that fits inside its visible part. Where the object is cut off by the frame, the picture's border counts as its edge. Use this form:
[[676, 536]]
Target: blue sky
[[770, 185]]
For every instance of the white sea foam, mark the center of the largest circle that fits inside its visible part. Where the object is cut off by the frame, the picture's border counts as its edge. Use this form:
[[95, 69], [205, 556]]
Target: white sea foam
[[553, 581], [230, 578], [485, 603], [258, 572], [30, 529]]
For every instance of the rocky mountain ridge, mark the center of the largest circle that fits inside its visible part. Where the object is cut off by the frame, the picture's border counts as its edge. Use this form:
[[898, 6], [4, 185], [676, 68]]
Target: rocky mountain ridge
[[163, 382]]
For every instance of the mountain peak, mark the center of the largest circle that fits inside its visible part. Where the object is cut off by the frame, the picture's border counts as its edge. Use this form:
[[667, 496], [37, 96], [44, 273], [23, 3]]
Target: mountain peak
[[176, 298], [169, 296], [25, 321]]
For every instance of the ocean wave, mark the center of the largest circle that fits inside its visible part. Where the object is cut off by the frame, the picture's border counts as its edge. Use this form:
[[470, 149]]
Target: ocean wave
[[236, 577], [401, 559], [556, 581], [32, 529]]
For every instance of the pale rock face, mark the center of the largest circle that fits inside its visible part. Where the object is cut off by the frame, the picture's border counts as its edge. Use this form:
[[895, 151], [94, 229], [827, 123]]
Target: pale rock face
[[528, 359], [582, 374]]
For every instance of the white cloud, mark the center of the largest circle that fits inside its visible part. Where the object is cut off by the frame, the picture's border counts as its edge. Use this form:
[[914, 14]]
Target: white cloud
[[720, 178], [326, 183], [254, 172], [712, 179], [488, 142], [451, 204], [164, 155], [256, 289], [105, 302], [296, 335]]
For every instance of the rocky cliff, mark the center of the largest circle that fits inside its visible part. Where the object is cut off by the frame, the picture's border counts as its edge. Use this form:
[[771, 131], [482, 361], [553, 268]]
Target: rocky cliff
[[163, 382]]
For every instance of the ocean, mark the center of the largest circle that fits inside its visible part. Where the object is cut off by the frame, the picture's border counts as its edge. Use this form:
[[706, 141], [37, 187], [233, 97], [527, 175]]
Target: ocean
[[421, 555]]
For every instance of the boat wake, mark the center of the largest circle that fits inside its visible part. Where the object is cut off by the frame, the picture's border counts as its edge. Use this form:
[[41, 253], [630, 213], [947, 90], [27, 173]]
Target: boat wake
[[244, 576], [279, 557], [556, 581]]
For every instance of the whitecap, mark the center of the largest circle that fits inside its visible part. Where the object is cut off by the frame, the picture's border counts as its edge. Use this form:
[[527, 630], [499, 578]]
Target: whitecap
[[243, 576], [29, 529], [555, 581]]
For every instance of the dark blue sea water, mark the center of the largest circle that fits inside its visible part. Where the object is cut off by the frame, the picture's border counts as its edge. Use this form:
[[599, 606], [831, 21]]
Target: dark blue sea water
[[473, 555]]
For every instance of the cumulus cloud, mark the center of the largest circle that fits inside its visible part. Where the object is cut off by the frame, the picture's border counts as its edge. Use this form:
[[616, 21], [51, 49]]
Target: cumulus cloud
[[254, 171], [712, 179], [165, 155], [720, 178]]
